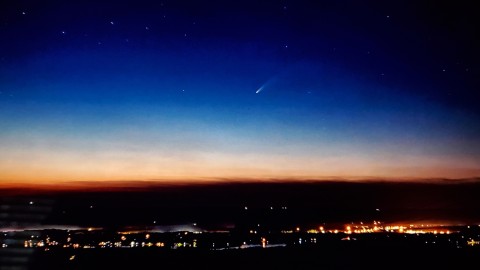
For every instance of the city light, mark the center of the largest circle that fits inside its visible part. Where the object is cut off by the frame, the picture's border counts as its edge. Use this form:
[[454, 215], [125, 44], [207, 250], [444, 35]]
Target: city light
[[430, 233]]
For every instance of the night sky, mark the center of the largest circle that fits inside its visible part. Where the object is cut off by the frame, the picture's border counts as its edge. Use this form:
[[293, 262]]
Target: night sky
[[199, 90]]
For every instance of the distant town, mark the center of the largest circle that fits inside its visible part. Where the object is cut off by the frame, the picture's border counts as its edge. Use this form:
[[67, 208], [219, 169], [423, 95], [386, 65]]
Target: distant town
[[190, 237]]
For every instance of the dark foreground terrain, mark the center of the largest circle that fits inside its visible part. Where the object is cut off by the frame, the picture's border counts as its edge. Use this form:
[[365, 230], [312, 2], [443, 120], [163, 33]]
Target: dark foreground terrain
[[342, 256]]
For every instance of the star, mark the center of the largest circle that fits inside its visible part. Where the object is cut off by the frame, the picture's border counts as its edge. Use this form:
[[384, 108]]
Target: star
[[63, 32]]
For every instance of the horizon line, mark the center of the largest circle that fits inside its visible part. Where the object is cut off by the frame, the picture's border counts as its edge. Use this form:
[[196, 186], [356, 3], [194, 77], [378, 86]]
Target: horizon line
[[112, 185]]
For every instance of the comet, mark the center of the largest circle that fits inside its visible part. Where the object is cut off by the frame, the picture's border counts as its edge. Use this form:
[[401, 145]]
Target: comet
[[259, 89], [270, 81]]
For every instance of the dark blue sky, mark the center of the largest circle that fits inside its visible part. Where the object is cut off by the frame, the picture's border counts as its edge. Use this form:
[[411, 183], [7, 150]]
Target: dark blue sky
[[139, 90]]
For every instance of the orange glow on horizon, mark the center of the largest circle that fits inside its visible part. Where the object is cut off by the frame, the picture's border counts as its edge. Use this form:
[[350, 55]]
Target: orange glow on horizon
[[57, 170], [52, 166]]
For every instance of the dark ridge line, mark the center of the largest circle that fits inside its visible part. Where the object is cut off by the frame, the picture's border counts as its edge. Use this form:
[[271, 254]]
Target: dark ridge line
[[157, 185]]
